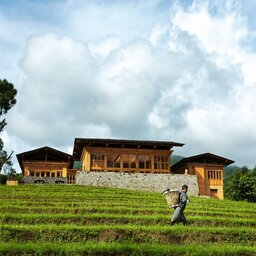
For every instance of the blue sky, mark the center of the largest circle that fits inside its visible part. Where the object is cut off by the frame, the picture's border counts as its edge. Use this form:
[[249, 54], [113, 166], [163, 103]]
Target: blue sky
[[160, 70]]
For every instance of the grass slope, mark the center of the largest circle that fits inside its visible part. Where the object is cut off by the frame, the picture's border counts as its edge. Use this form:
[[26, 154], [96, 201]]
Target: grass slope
[[80, 220]]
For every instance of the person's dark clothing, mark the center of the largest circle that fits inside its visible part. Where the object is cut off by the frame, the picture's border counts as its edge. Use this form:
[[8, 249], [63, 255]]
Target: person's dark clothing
[[183, 200], [178, 215]]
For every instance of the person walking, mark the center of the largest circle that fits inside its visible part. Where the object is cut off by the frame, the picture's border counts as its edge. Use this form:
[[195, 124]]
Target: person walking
[[178, 214]]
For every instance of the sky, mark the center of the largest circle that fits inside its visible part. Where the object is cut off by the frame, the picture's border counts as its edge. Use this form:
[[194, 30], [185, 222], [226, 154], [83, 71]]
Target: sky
[[181, 71]]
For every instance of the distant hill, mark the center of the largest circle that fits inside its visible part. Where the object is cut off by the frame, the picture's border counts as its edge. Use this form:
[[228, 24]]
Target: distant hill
[[175, 159], [229, 170]]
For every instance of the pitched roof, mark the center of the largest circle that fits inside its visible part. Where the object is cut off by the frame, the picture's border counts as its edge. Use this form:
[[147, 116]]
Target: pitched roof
[[203, 158], [43, 154], [80, 143]]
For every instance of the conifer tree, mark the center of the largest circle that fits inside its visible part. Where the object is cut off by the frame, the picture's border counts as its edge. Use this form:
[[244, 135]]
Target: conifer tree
[[7, 101]]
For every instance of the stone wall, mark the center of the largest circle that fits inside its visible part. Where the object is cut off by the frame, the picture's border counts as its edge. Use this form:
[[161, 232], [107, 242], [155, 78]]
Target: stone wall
[[44, 180], [139, 181]]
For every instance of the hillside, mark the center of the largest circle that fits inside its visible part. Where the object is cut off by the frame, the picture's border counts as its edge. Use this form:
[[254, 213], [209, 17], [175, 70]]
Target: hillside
[[175, 159], [229, 170], [79, 220]]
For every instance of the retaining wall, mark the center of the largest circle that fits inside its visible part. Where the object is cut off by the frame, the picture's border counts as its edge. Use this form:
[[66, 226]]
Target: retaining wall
[[44, 180], [139, 181]]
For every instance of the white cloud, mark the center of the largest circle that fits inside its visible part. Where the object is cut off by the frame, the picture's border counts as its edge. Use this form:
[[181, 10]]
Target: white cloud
[[157, 33], [105, 47], [221, 32], [188, 78]]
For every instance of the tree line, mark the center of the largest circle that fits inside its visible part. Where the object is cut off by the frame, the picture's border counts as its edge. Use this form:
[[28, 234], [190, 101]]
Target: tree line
[[240, 183]]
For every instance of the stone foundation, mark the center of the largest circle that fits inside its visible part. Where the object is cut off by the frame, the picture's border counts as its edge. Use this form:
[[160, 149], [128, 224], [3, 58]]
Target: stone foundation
[[139, 181], [44, 180]]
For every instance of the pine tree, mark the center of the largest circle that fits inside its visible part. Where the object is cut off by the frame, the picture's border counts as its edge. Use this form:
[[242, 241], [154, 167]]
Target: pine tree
[[7, 101]]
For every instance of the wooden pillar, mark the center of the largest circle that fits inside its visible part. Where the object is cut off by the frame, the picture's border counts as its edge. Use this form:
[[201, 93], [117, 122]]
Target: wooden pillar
[[26, 171], [152, 164], [105, 162], [121, 162], [64, 172], [137, 163]]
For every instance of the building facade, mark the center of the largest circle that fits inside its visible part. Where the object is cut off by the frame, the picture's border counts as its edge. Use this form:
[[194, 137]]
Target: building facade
[[135, 157], [129, 156], [45, 165], [209, 171]]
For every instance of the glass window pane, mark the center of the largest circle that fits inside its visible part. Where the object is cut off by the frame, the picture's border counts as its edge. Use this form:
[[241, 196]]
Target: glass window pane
[[132, 161]]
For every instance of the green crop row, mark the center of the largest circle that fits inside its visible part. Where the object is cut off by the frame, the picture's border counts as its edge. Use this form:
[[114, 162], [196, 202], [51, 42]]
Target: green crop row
[[128, 233], [82, 192], [105, 249], [161, 203], [105, 218], [6, 208]]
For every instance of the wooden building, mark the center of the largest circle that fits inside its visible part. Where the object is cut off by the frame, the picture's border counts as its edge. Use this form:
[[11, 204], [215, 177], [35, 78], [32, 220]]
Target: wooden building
[[133, 156], [209, 170], [45, 162], [48, 165]]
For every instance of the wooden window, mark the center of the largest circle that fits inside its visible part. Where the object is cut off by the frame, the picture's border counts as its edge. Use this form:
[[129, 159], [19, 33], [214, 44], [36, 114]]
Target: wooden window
[[141, 162], [144, 162], [32, 173], [129, 161], [161, 162], [97, 160], [53, 174], [133, 161], [214, 175], [113, 160], [110, 160], [126, 160]]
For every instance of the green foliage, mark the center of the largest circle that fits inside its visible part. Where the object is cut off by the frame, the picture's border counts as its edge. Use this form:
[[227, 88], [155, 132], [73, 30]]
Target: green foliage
[[7, 96], [9, 173], [241, 185], [3, 179], [7, 101], [229, 170]]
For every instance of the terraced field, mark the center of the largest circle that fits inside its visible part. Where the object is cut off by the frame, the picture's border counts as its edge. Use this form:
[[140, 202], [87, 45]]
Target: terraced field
[[79, 220]]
